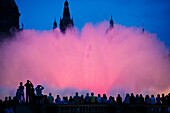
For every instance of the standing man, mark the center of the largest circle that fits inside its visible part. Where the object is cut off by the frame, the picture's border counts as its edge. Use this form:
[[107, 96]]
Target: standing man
[[29, 87]]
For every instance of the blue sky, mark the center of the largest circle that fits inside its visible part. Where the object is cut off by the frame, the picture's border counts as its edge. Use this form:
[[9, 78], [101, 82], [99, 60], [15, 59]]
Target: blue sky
[[154, 15]]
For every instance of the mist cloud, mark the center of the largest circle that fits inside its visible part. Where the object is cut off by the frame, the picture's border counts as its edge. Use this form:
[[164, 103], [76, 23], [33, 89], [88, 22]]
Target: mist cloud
[[122, 60]]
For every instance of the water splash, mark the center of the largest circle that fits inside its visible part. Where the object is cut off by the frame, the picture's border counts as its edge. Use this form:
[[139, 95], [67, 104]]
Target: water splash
[[122, 60]]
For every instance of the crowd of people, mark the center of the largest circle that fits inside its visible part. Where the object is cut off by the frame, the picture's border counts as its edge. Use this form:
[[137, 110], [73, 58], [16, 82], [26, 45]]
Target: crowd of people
[[35, 96], [8, 105]]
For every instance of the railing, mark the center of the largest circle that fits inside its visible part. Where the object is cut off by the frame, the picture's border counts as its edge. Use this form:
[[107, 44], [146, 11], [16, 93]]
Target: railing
[[100, 108], [80, 108]]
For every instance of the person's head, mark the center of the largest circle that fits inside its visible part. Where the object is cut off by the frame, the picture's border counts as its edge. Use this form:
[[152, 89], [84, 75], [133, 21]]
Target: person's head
[[87, 94], [127, 95], [158, 95], [6, 98], [147, 96], [20, 83], [141, 95], [38, 86], [58, 96], [137, 95], [98, 95], [76, 93], [28, 81], [70, 97], [104, 95], [110, 98], [50, 94], [163, 94], [92, 94]]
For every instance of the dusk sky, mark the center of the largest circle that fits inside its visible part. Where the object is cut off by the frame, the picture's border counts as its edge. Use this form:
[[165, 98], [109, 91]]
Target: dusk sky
[[153, 15]]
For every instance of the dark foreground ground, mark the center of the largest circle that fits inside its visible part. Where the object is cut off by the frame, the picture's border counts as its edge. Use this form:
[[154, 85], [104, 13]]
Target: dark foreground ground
[[92, 109]]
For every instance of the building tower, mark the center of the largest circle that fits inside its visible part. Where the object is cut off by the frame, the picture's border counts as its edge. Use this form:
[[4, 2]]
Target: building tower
[[54, 24], [111, 23], [9, 16], [66, 21]]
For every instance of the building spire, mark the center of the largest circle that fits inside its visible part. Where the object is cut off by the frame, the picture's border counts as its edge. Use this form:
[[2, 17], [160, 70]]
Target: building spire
[[111, 25], [143, 29], [54, 24], [111, 22], [66, 21], [66, 3]]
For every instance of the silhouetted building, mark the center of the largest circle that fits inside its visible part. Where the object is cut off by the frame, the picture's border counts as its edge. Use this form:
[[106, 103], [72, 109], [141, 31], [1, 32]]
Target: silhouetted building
[[9, 17], [66, 21]]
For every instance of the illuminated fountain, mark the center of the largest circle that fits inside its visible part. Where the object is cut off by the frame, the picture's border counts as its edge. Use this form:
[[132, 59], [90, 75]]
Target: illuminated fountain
[[121, 60]]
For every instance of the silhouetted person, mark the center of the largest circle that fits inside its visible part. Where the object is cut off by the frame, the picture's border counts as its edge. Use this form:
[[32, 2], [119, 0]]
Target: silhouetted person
[[163, 100], [127, 99], [81, 99], [119, 99], [152, 100], [104, 99], [65, 100], [87, 98], [39, 95], [50, 99], [58, 100], [132, 99], [76, 98], [92, 98], [45, 99], [111, 100], [21, 93], [29, 87], [137, 101], [141, 99], [99, 99], [70, 100], [158, 99], [5, 101], [158, 102], [147, 99]]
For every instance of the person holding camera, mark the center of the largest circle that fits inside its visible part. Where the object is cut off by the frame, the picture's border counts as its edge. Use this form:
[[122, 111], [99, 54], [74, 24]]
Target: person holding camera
[[39, 94], [29, 86]]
